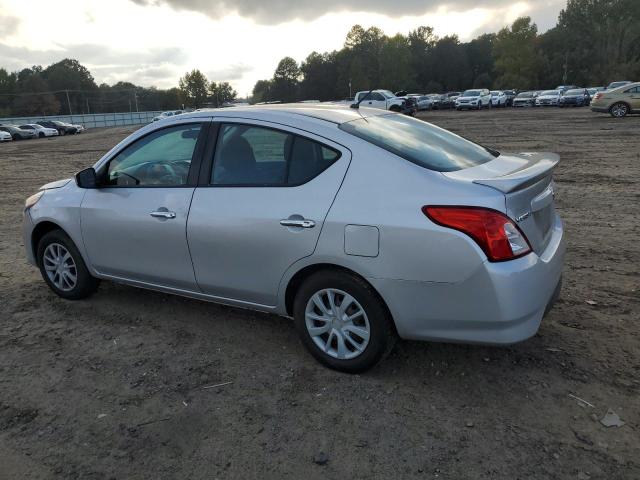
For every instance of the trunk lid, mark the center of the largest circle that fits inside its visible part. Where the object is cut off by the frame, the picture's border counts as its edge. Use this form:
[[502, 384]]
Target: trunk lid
[[526, 181]]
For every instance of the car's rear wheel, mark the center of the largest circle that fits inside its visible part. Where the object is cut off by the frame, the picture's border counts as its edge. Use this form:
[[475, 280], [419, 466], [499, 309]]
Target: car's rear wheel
[[619, 110], [62, 132], [63, 268], [342, 321]]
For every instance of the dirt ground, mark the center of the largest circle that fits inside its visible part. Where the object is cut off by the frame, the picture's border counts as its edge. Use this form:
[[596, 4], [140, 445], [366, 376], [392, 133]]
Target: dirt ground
[[114, 386]]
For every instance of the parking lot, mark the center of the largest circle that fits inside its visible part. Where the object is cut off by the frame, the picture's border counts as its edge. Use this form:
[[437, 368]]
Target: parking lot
[[137, 384]]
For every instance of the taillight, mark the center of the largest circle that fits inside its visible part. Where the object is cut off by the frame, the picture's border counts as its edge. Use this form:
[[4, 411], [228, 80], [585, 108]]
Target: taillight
[[496, 234], [597, 96]]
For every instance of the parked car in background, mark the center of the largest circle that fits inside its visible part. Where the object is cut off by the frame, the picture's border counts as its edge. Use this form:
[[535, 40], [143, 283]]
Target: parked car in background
[[5, 136], [79, 128], [18, 133], [564, 88], [62, 127], [382, 99], [498, 99], [548, 98], [621, 83], [423, 102], [468, 248], [511, 95], [41, 131], [593, 90], [167, 114], [619, 102], [525, 99], [452, 96], [475, 99], [578, 97]]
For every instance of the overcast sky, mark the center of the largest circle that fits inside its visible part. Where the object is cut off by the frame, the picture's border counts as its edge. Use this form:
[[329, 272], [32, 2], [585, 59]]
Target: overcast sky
[[153, 42]]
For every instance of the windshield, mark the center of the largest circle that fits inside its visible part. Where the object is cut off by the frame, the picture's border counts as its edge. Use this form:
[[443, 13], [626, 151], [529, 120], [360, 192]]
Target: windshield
[[471, 93], [550, 92], [574, 92], [419, 142], [495, 94], [525, 95]]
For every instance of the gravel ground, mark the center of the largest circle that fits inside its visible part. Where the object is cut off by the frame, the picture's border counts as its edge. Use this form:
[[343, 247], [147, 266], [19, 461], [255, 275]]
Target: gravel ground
[[114, 386]]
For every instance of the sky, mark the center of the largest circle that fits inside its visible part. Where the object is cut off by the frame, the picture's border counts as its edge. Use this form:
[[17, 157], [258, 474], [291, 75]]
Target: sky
[[154, 42]]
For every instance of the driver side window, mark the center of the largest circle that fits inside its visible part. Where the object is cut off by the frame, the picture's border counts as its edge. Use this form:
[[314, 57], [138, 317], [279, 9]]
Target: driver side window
[[161, 158]]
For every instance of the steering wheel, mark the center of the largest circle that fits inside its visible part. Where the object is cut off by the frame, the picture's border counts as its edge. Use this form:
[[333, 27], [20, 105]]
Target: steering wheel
[[162, 173]]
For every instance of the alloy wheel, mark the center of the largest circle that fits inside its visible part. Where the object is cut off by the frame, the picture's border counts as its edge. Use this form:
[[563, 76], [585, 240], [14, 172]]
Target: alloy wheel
[[60, 267], [619, 110], [337, 324]]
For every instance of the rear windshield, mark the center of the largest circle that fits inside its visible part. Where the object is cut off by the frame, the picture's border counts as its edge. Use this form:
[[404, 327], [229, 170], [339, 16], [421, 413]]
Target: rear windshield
[[419, 142]]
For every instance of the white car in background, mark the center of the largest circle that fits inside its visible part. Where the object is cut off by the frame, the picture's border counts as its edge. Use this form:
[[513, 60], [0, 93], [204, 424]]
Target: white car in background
[[168, 114], [423, 102], [383, 99], [39, 130], [5, 136], [498, 99], [548, 98], [475, 99]]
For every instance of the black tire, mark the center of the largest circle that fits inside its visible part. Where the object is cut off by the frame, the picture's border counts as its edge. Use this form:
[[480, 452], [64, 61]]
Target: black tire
[[395, 108], [85, 283], [62, 132], [382, 332], [16, 137], [41, 135], [619, 110]]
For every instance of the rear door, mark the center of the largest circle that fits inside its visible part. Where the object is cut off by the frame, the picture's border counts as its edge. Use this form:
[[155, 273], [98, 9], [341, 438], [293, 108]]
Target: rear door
[[634, 98], [260, 206]]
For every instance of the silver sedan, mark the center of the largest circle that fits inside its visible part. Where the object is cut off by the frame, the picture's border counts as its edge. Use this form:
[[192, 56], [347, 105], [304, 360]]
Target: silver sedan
[[362, 225]]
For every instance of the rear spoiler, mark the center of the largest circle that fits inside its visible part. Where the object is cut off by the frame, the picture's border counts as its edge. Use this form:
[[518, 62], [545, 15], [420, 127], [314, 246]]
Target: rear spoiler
[[538, 166]]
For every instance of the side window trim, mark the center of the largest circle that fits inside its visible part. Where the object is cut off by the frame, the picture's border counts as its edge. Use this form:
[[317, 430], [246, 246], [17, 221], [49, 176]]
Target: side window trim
[[196, 158], [206, 169]]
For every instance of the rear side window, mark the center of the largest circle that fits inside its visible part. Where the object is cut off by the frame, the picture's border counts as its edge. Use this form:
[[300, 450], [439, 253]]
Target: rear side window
[[251, 156], [419, 142]]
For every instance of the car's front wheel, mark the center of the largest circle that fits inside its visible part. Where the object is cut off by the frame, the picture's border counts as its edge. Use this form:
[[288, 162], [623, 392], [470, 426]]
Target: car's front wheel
[[619, 110], [342, 321], [63, 268]]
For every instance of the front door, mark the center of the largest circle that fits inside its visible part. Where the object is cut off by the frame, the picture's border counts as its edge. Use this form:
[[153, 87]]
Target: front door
[[134, 224], [262, 208]]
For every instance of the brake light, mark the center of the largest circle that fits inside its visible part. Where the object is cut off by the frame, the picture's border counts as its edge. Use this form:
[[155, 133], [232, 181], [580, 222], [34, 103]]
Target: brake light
[[597, 96], [495, 233]]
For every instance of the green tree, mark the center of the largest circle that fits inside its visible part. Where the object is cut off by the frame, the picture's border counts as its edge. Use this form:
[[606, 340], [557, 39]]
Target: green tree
[[221, 93], [516, 57], [194, 86], [395, 64], [262, 91], [286, 79]]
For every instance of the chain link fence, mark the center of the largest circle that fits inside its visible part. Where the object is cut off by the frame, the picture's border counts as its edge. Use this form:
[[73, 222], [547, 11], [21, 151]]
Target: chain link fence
[[94, 120]]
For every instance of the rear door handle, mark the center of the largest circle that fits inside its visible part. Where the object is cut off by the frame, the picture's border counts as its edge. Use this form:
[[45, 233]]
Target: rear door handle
[[298, 223], [163, 214]]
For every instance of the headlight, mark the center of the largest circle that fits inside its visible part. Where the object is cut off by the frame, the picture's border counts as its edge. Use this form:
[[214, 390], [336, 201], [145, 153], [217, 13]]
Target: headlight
[[33, 199]]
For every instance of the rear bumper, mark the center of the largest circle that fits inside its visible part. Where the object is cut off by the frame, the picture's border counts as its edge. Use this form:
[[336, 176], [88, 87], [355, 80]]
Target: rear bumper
[[500, 303]]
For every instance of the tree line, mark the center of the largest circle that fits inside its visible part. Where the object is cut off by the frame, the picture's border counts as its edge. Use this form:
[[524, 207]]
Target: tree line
[[67, 87], [593, 43]]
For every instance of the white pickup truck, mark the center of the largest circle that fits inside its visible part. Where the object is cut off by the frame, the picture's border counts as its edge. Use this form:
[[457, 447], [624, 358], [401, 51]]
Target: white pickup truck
[[383, 99]]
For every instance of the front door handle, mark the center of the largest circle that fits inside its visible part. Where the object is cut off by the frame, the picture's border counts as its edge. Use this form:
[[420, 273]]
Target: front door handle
[[298, 223], [163, 214]]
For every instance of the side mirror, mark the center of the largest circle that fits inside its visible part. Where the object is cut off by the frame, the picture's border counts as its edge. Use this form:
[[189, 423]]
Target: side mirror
[[87, 178]]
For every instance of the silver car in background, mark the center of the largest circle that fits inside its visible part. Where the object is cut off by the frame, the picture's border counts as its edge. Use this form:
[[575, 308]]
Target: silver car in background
[[362, 225]]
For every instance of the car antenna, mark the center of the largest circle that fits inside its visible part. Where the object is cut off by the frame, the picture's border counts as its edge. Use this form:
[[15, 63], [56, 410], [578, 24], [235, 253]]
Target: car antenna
[[357, 104]]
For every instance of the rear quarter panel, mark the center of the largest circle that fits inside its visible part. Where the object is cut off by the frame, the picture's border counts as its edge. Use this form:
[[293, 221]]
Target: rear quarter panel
[[387, 192]]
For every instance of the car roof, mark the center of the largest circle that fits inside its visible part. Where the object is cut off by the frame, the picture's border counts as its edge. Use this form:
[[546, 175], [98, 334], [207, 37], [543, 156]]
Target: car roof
[[333, 113]]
